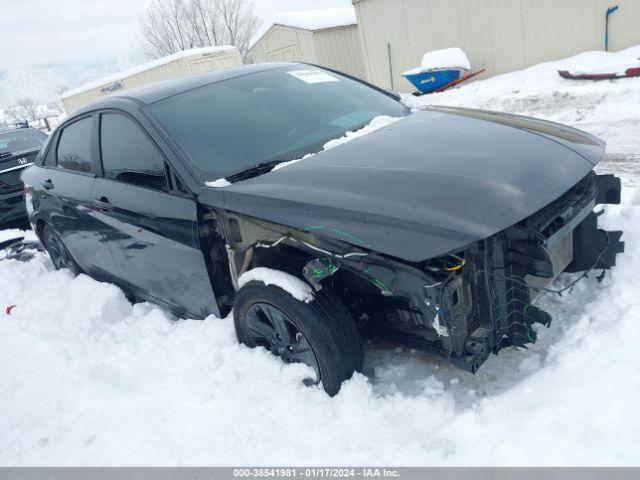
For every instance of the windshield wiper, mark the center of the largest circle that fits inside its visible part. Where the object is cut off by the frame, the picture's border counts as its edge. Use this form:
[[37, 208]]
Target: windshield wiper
[[254, 170], [5, 154]]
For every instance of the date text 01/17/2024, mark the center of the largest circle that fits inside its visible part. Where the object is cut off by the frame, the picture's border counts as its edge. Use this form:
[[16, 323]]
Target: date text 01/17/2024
[[316, 472]]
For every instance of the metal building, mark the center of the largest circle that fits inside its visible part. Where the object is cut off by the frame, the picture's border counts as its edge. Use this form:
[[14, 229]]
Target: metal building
[[327, 37], [179, 64], [498, 35]]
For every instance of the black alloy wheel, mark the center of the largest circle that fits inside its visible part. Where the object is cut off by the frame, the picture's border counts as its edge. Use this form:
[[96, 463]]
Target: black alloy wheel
[[271, 328], [320, 333]]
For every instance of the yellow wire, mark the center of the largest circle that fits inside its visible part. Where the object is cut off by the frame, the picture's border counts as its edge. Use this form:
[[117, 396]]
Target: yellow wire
[[456, 268]]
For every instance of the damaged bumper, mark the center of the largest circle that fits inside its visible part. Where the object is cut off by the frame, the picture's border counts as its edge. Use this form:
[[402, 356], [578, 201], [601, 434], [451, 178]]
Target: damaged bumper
[[480, 300], [510, 270]]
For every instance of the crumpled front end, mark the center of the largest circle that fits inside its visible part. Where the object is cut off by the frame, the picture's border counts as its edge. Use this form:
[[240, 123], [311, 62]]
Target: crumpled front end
[[481, 299], [463, 305], [508, 271]]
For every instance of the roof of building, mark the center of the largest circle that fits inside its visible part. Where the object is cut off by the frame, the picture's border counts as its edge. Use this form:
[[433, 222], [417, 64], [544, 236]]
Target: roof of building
[[144, 67], [308, 20]]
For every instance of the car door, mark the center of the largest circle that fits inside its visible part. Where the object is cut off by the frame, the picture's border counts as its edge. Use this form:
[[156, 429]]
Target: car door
[[154, 227], [67, 179]]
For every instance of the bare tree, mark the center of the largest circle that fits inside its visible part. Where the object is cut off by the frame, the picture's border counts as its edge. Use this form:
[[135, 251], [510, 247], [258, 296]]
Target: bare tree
[[25, 109], [239, 23], [29, 109], [171, 26]]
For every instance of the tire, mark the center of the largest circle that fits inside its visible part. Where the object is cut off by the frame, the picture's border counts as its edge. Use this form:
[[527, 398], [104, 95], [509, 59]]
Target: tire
[[60, 256], [324, 325]]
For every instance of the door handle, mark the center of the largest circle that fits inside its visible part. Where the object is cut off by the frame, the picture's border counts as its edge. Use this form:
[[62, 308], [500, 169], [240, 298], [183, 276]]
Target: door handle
[[102, 203], [47, 184]]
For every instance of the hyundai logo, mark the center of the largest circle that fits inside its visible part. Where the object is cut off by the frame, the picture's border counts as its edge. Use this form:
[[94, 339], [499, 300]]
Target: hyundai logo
[[22, 161]]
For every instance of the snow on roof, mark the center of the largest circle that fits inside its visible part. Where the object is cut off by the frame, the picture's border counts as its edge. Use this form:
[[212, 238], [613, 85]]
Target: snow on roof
[[308, 20], [143, 67]]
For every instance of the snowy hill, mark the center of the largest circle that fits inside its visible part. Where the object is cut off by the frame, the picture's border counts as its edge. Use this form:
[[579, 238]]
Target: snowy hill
[[42, 82]]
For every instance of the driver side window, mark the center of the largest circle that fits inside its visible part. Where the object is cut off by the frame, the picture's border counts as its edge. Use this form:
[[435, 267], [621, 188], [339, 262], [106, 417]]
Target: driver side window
[[128, 155]]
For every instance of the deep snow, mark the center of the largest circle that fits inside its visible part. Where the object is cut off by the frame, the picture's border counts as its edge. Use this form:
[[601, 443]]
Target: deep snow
[[87, 378]]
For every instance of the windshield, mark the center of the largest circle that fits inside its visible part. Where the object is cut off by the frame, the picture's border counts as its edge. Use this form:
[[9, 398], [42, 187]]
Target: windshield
[[276, 115], [21, 139]]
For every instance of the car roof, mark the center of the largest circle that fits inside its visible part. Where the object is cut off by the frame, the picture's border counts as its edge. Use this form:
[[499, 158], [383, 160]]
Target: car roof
[[157, 91]]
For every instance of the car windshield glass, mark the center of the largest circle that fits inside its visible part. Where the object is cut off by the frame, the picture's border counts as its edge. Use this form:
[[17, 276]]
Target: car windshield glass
[[21, 139], [276, 115]]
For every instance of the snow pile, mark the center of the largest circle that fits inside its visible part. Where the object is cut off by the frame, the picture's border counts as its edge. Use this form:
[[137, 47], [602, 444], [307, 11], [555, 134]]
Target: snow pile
[[146, 66], [86, 378], [606, 62], [376, 123], [219, 183], [543, 77], [296, 287], [446, 58], [608, 109], [318, 19]]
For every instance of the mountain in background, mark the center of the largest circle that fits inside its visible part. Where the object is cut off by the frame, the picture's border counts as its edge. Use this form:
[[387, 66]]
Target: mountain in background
[[42, 82]]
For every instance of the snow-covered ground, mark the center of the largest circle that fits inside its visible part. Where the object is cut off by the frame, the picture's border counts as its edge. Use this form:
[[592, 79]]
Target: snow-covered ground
[[609, 109], [87, 378]]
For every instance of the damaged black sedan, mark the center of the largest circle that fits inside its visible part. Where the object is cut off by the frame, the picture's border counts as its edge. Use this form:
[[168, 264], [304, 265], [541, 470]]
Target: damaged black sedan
[[437, 230]]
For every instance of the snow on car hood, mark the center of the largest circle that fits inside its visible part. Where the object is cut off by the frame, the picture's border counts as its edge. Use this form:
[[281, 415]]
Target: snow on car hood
[[426, 185]]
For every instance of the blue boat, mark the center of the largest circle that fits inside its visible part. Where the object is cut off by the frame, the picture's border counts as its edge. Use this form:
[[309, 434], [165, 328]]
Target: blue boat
[[431, 80]]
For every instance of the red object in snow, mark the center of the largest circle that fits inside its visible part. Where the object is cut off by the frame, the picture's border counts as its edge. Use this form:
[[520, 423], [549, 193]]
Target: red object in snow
[[630, 72], [9, 308], [455, 82]]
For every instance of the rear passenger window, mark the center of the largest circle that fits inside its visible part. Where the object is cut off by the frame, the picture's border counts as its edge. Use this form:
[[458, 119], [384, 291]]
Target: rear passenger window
[[128, 155], [74, 147]]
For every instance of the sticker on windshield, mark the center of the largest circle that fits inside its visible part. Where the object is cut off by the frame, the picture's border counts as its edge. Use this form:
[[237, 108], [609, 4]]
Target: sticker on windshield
[[313, 76]]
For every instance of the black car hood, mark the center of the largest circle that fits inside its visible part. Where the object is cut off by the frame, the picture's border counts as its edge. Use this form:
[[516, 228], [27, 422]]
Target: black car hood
[[426, 185]]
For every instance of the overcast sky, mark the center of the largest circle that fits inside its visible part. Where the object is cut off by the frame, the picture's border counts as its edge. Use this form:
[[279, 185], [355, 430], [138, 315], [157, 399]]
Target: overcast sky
[[82, 31]]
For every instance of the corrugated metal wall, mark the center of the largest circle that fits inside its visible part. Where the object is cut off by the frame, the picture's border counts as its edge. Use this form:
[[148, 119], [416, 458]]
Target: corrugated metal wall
[[338, 48], [499, 35]]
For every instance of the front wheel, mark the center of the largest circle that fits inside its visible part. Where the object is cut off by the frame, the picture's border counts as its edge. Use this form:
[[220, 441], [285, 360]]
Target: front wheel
[[60, 256], [321, 333]]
